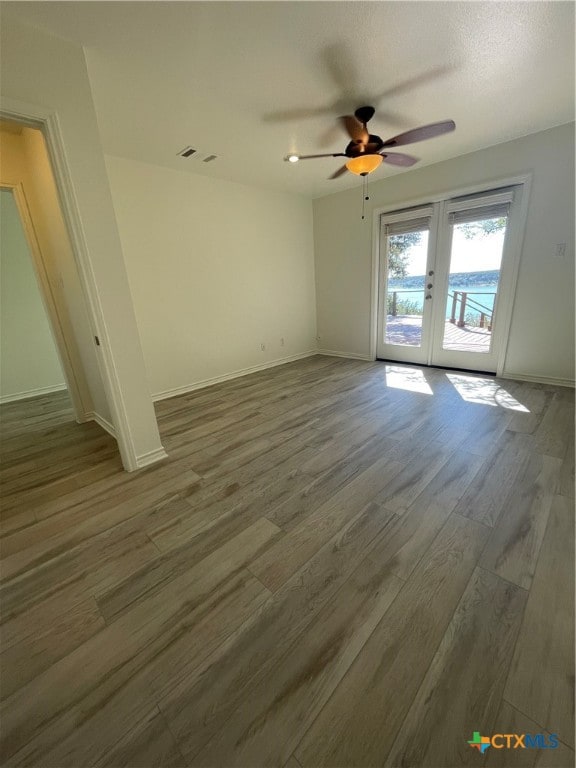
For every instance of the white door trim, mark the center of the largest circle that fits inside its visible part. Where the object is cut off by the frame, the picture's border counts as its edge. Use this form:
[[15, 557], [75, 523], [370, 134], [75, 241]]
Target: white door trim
[[37, 116], [516, 235]]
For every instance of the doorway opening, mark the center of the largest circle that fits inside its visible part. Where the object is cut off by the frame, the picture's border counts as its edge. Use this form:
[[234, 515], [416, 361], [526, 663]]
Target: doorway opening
[[30, 360], [61, 354], [447, 281]]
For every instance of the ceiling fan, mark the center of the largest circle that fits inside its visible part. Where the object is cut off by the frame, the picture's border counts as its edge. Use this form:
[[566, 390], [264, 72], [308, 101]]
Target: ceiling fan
[[366, 151]]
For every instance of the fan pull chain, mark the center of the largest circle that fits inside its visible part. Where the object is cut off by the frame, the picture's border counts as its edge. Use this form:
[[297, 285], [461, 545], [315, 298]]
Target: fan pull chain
[[364, 192]]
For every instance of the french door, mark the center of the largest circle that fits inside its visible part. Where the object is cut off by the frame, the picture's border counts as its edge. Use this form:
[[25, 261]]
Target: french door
[[446, 281]]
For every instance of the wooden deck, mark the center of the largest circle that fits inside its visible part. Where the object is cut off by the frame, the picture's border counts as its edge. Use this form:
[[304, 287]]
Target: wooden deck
[[406, 330], [340, 563]]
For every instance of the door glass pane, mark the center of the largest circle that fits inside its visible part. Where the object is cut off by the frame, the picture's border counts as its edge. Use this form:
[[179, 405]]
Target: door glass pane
[[407, 257], [475, 262]]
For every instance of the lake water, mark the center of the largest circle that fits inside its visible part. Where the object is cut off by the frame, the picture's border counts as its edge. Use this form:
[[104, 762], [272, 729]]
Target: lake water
[[483, 294]]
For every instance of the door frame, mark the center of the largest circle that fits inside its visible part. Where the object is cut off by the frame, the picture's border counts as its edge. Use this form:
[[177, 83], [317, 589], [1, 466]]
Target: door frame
[[516, 231], [65, 355], [37, 116]]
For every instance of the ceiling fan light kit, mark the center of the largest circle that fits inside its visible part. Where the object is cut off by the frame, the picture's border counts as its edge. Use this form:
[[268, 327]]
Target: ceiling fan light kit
[[364, 164]]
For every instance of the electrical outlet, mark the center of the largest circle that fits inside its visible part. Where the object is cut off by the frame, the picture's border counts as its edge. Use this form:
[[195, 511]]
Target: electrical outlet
[[263, 347]]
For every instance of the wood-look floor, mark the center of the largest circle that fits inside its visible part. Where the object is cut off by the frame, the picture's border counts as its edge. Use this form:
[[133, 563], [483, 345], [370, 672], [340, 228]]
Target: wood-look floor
[[340, 564]]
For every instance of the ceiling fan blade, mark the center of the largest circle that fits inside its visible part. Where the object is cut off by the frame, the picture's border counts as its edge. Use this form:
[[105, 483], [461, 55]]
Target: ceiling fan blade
[[412, 83], [355, 129], [286, 115], [313, 157], [330, 136], [340, 65], [397, 158], [338, 173], [422, 133]]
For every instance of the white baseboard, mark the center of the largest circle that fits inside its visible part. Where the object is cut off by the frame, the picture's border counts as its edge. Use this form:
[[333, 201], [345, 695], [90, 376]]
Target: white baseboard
[[150, 458], [349, 355], [165, 394], [32, 393], [540, 379], [104, 423]]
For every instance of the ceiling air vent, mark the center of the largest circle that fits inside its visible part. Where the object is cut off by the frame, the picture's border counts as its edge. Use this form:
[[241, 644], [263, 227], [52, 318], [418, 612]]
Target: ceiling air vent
[[209, 158], [187, 152]]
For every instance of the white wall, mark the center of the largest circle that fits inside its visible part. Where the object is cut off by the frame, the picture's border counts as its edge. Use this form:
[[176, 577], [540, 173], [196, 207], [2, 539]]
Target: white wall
[[29, 362], [47, 72], [541, 340], [216, 269]]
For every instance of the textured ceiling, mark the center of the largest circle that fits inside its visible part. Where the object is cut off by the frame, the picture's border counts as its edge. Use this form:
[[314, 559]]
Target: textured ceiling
[[251, 82]]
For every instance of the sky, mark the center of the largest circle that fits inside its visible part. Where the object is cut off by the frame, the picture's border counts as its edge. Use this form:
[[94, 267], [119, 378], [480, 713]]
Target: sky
[[482, 253]]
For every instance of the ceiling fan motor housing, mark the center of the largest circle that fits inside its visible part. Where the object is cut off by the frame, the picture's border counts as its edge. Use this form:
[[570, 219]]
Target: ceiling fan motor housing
[[356, 148]]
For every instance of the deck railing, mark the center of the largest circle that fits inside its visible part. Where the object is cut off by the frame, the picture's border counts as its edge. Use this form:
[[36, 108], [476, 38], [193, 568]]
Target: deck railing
[[461, 302], [463, 299], [393, 299]]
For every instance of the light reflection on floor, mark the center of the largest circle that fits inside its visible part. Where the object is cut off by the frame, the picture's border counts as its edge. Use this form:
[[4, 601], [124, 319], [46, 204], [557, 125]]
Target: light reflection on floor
[[472, 389], [484, 391], [410, 379]]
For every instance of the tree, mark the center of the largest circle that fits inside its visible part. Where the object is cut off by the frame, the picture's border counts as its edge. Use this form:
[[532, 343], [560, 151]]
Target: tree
[[482, 228], [398, 246]]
